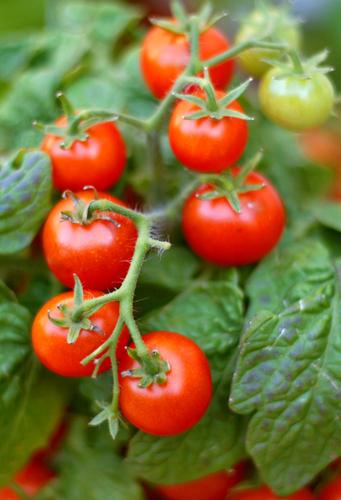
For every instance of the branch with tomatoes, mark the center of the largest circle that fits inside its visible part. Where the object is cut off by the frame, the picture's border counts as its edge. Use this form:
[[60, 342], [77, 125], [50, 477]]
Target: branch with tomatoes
[[101, 244]]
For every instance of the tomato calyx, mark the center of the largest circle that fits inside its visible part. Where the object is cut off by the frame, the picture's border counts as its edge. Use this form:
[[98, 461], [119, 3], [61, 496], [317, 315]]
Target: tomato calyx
[[111, 415], [208, 103], [153, 368], [180, 23], [229, 185], [81, 212], [301, 68], [76, 125], [68, 320]]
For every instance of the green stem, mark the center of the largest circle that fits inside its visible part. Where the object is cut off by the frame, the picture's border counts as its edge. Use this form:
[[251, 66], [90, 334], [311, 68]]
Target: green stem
[[116, 385], [241, 47], [296, 61]]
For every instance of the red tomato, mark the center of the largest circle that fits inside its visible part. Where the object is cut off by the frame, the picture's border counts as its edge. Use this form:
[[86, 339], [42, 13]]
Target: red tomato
[[55, 441], [31, 478], [165, 55], [219, 235], [331, 491], [99, 252], [264, 493], [51, 347], [179, 403], [212, 487], [99, 161], [207, 144]]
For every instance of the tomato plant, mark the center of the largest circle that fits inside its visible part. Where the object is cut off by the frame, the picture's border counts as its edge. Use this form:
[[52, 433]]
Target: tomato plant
[[201, 245], [278, 24], [212, 487], [219, 234], [207, 144], [97, 161], [164, 55], [50, 342], [86, 248], [188, 388], [296, 102]]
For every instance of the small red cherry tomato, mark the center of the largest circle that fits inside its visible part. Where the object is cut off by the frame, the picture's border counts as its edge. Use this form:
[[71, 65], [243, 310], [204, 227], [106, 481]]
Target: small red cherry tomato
[[99, 161], [331, 491], [207, 144], [99, 252], [212, 487], [218, 234], [165, 55], [50, 341], [32, 478], [179, 403]]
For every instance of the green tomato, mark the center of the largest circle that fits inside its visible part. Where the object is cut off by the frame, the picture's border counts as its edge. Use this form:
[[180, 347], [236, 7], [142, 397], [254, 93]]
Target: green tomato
[[255, 26], [296, 102]]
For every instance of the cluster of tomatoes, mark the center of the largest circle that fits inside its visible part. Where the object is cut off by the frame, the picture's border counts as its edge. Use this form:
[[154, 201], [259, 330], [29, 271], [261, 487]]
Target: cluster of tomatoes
[[208, 134]]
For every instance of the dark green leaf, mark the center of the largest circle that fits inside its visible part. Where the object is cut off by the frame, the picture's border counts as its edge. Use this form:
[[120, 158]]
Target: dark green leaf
[[14, 327], [288, 374], [24, 200], [90, 469], [30, 409]]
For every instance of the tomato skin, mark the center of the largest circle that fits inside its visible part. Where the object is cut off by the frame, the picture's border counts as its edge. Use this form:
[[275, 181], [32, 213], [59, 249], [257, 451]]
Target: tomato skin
[[264, 493], [207, 144], [252, 60], [218, 234], [296, 103], [34, 476], [99, 253], [99, 161], [331, 491], [212, 487], [49, 340], [177, 405], [164, 55]]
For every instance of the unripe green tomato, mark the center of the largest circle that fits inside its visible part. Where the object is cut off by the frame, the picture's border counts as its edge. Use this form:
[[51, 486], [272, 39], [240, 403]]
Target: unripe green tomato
[[296, 102], [255, 26]]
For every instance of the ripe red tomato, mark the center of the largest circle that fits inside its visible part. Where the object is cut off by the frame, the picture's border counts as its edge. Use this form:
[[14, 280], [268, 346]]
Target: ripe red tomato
[[219, 235], [99, 161], [99, 252], [207, 144], [212, 487], [331, 491], [49, 340], [264, 493], [165, 55], [179, 403], [31, 478]]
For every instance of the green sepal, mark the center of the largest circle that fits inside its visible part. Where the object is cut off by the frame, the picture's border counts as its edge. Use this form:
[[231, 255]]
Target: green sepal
[[153, 368]]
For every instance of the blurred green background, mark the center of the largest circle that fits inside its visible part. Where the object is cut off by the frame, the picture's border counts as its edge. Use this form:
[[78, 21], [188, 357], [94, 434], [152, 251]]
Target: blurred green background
[[322, 27]]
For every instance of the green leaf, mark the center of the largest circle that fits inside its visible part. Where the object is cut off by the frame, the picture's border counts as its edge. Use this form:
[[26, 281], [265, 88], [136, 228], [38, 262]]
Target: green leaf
[[103, 22], [30, 409], [89, 468], [211, 313], [15, 53], [14, 324], [329, 214], [24, 200], [288, 374], [215, 443]]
